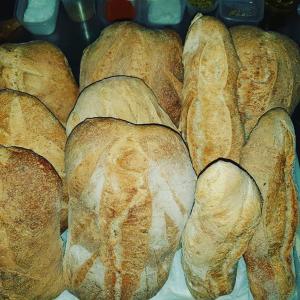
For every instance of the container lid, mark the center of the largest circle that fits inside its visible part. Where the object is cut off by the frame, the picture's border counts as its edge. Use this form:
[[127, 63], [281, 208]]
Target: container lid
[[241, 11]]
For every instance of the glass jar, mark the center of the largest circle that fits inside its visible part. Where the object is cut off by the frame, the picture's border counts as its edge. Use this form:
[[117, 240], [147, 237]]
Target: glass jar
[[236, 12], [204, 6], [79, 10], [283, 5]]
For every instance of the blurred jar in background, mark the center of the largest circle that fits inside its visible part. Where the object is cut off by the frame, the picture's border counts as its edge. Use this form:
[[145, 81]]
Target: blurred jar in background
[[282, 5], [204, 6], [79, 10]]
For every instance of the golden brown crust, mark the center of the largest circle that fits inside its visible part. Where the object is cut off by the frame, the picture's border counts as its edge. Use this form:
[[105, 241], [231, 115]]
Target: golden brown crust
[[30, 245], [26, 122], [121, 97], [153, 55], [223, 220], [293, 63], [269, 76], [126, 211], [210, 122], [269, 157], [40, 69]]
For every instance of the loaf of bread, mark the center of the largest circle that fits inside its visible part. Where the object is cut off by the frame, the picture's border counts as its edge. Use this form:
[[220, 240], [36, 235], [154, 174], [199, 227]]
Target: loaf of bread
[[121, 97], [131, 191], [26, 122], [224, 218], [40, 69], [269, 157], [210, 121], [30, 245], [270, 73], [129, 49]]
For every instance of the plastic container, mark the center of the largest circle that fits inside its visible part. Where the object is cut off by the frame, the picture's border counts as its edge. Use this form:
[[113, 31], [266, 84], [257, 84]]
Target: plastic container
[[234, 12], [161, 13], [121, 14], [79, 10], [152, 13], [203, 6], [43, 27], [282, 5]]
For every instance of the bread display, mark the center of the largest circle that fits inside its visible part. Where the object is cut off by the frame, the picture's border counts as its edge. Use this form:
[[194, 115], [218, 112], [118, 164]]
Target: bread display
[[210, 122], [121, 97], [224, 218], [270, 73], [30, 245], [129, 49], [26, 122], [40, 69], [131, 191], [169, 176], [269, 157]]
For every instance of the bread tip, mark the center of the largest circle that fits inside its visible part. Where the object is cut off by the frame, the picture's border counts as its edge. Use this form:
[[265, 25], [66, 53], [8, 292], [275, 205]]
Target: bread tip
[[196, 18]]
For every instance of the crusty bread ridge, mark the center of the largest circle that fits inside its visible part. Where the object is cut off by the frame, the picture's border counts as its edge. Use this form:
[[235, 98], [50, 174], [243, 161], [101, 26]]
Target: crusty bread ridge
[[131, 191], [30, 244], [210, 121], [121, 97], [269, 156], [153, 55], [224, 218]]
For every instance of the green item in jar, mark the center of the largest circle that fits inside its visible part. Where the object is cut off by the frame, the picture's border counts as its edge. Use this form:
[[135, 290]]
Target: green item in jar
[[237, 13], [202, 4]]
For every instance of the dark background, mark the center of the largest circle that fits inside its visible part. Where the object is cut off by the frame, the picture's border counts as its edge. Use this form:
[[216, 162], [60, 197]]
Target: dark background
[[72, 37]]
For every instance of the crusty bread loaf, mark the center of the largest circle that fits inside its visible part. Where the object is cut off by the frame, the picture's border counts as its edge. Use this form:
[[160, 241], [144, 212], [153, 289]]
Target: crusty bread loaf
[[269, 157], [26, 122], [131, 190], [121, 97], [210, 121], [270, 73], [224, 218], [30, 245], [129, 49], [40, 69]]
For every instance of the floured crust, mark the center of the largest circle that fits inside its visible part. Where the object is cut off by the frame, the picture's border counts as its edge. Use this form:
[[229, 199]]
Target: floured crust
[[121, 97], [210, 121], [224, 218], [30, 245], [131, 190], [40, 69], [269, 157], [293, 52], [269, 76], [26, 122], [153, 55]]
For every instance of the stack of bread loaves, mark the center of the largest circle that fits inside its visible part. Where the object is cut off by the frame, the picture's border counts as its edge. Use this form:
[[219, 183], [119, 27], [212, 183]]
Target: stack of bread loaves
[[122, 178], [38, 92], [130, 179], [235, 81]]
